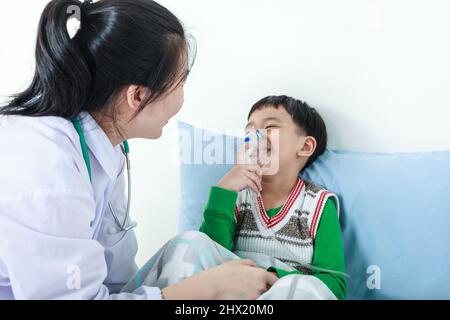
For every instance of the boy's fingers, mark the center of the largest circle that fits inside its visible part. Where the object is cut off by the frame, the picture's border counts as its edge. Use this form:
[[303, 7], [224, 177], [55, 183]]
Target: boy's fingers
[[252, 185], [253, 175], [255, 178], [255, 168]]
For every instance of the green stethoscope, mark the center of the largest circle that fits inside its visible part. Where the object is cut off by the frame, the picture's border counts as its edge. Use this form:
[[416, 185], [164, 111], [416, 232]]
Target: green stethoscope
[[125, 150]]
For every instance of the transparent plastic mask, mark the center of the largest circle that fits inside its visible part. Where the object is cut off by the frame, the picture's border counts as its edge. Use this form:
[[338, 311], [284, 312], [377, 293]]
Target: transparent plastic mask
[[257, 149]]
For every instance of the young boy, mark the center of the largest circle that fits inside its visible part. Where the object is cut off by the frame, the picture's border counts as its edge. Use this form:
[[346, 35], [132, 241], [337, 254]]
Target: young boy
[[290, 226]]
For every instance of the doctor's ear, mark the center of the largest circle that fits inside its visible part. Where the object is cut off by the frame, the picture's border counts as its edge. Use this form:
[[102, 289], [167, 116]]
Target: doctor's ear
[[307, 148], [136, 95]]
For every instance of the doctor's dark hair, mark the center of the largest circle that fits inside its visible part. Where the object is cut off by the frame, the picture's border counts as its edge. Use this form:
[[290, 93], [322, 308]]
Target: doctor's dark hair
[[306, 118], [119, 43]]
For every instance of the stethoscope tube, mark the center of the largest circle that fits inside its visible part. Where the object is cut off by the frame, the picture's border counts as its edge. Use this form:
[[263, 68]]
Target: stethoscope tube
[[123, 227]]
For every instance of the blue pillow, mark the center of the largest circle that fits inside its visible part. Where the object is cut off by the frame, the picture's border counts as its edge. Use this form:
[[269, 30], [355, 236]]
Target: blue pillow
[[395, 213]]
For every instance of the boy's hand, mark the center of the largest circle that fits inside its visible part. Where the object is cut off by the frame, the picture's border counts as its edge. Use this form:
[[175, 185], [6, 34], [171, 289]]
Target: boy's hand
[[241, 177]]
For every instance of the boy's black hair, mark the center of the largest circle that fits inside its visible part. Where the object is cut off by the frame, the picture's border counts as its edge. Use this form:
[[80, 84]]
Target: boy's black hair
[[306, 118]]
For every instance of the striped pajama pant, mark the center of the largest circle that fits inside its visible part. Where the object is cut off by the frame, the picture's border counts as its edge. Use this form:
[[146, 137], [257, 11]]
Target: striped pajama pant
[[193, 252]]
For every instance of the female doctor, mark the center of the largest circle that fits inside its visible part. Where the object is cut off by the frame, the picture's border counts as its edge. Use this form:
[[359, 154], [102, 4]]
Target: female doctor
[[64, 226]]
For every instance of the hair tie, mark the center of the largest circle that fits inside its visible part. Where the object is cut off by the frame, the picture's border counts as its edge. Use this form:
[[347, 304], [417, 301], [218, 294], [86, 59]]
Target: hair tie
[[80, 13], [87, 3]]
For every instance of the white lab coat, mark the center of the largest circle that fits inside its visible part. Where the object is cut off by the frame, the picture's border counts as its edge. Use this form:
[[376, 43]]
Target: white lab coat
[[48, 249]]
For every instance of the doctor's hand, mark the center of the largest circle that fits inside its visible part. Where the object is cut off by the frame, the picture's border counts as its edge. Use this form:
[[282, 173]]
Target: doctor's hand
[[232, 280], [242, 176]]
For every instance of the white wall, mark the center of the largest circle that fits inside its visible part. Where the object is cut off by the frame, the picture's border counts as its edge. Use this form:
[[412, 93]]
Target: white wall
[[378, 71]]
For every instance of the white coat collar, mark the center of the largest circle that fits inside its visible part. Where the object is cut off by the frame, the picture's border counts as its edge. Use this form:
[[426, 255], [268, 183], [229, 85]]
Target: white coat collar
[[109, 157]]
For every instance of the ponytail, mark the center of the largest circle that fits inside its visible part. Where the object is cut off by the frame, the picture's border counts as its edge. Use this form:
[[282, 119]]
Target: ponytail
[[62, 76]]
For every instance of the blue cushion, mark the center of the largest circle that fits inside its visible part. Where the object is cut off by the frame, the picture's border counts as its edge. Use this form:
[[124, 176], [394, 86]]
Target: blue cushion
[[395, 214]]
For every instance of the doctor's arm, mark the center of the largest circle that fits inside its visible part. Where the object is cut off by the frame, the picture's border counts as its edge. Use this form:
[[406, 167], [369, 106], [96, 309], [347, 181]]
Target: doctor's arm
[[49, 251]]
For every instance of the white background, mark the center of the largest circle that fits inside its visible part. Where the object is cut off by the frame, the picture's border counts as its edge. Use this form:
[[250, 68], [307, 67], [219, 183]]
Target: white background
[[378, 71]]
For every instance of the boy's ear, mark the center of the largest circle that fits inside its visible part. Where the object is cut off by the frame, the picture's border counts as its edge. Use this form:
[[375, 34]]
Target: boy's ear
[[307, 148]]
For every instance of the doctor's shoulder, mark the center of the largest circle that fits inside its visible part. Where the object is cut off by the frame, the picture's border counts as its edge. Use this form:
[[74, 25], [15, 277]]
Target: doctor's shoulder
[[37, 148]]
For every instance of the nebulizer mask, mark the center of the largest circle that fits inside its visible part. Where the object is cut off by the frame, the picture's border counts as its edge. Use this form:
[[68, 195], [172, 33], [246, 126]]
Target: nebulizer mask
[[257, 150]]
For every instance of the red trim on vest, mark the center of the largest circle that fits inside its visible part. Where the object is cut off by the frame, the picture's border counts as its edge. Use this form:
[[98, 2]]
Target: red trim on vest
[[236, 211], [317, 213], [271, 222], [278, 218]]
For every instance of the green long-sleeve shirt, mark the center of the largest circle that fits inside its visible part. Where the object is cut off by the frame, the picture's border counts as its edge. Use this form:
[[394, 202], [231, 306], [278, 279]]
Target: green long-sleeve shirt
[[220, 225]]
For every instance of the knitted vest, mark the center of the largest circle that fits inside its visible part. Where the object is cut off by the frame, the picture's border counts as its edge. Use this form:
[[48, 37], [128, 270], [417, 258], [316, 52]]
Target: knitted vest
[[294, 226]]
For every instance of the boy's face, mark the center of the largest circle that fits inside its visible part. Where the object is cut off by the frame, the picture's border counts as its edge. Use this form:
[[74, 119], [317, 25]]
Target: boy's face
[[286, 143]]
